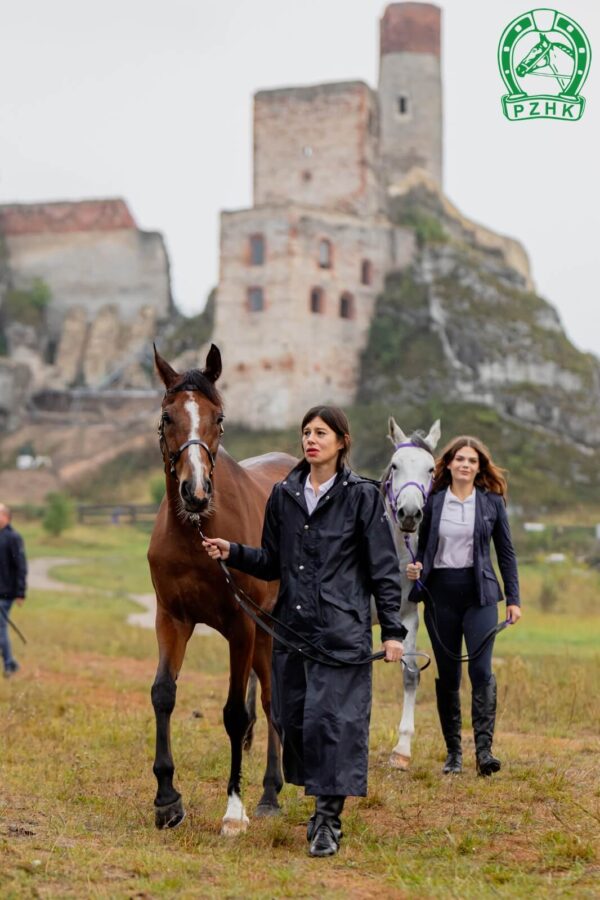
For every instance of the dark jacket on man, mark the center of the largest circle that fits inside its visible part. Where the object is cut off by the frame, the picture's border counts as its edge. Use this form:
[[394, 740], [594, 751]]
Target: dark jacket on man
[[329, 564], [13, 565], [491, 524]]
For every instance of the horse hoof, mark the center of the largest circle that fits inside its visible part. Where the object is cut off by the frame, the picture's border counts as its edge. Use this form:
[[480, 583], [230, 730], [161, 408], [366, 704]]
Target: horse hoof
[[267, 810], [169, 816], [399, 761], [233, 827]]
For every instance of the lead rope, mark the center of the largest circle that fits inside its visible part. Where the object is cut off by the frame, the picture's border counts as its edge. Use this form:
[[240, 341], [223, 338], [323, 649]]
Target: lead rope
[[253, 610], [430, 606]]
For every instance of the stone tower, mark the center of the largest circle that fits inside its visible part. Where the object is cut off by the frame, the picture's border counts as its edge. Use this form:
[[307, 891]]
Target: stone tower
[[410, 91]]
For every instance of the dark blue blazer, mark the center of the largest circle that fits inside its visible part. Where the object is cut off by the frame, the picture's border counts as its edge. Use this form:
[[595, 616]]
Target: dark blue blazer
[[491, 524]]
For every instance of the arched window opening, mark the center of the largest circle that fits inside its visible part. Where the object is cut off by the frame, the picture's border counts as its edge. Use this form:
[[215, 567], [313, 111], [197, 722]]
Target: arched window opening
[[366, 272], [317, 300], [257, 249], [325, 254], [256, 299], [346, 306]]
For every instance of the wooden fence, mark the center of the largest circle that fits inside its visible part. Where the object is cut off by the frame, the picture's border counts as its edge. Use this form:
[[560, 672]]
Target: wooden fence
[[117, 513]]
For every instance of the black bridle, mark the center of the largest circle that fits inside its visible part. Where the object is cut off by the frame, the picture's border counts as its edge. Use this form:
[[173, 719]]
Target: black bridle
[[175, 457]]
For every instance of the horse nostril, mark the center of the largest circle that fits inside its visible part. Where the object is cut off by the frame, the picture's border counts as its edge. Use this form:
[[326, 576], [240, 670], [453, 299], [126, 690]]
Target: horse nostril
[[208, 487], [401, 512], [186, 491], [419, 514]]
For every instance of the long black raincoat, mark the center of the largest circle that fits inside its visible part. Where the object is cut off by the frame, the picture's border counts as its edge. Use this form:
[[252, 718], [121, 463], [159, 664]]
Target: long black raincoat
[[329, 564]]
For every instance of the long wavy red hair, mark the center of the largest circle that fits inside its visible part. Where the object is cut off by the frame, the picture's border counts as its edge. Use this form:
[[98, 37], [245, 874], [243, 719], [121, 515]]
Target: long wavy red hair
[[490, 476]]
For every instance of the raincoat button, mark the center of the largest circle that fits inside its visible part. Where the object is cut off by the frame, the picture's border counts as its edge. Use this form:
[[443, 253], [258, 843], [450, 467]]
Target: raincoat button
[[297, 493], [345, 483], [306, 527], [298, 607], [300, 567]]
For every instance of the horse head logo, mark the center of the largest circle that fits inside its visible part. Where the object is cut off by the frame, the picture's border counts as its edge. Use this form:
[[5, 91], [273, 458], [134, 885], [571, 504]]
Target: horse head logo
[[544, 43]]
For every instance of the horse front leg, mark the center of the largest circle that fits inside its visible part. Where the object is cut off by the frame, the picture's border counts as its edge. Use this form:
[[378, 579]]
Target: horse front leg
[[237, 723], [172, 640], [268, 805], [401, 754]]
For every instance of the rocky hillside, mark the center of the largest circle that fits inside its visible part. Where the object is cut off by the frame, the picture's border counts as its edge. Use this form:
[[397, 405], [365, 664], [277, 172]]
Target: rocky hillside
[[460, 334]]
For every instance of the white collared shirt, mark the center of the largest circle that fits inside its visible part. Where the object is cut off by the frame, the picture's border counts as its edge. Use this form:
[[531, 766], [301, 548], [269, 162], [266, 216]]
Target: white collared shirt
[[311, 497], [455, 540]]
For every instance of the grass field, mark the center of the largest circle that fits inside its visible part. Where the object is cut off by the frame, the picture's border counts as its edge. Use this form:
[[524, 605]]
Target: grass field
[[77, 734]]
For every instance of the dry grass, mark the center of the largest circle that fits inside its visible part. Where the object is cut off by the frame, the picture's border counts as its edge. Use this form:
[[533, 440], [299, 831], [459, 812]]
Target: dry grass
[[76, 793]]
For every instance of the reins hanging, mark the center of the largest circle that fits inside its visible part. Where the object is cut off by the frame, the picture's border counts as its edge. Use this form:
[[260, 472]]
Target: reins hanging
[[325, 658], [430, 605]]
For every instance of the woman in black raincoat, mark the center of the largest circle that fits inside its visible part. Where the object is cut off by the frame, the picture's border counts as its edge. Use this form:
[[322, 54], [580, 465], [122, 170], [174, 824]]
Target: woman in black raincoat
[[327, 539]]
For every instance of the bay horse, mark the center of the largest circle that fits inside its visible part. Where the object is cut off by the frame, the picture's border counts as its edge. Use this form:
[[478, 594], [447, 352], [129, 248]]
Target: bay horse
[[207, 489], [405, 485]]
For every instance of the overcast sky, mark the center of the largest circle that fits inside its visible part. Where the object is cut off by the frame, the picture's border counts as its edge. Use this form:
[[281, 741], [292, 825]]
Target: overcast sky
[[151, 100]]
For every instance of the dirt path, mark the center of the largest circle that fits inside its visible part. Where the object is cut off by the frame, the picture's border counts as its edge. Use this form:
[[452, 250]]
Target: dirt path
[[40, 579]]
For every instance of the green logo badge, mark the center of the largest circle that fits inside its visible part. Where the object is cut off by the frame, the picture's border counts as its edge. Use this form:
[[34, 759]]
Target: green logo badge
[[544, 43]]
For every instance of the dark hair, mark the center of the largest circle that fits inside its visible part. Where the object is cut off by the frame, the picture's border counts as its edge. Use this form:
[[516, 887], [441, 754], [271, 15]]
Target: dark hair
[[490, 476], [337, 420]]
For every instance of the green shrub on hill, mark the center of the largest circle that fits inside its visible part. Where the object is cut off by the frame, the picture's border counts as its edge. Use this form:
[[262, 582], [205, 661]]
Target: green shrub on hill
[[59, 514]]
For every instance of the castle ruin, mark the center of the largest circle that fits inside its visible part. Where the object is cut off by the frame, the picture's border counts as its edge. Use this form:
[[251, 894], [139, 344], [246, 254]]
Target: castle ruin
[[301, 269]]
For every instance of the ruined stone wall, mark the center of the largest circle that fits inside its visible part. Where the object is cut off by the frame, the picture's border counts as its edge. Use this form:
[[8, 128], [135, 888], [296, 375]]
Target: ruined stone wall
[[317, 146], [89, 254], [284, 358]]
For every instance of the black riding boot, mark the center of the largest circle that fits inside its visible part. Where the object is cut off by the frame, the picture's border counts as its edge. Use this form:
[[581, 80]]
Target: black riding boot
[[448, 704], [484, 720], [324, 830]]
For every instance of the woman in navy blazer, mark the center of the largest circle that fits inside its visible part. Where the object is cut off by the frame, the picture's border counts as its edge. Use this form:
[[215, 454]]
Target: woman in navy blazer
[[465, 512]]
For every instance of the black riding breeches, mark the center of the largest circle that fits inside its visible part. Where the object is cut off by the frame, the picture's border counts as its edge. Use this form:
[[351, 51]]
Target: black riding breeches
[[457, 613]]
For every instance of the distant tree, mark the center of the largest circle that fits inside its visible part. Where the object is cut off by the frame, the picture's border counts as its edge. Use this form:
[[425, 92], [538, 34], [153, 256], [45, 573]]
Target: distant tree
[[59, 513]]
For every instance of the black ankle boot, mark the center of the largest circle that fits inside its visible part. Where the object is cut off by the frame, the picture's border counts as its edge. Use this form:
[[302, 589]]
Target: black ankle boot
[[324, 830], [484, 721], [448, 704]]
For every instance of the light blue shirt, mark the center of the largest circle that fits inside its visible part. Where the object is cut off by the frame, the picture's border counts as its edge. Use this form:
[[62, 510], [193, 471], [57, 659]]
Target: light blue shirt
[[457, 524], [311, 497]]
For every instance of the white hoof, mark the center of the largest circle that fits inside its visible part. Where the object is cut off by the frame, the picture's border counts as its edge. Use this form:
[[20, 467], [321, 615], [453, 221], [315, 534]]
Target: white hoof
[[399, 761], [233, 827]]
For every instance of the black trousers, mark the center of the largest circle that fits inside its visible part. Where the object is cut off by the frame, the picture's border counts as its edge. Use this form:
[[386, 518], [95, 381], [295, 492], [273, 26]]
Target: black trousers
[[457, 614]]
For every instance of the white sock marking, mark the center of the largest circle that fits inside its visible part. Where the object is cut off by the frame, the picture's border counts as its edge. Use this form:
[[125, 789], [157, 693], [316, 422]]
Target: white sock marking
[[235, 809]]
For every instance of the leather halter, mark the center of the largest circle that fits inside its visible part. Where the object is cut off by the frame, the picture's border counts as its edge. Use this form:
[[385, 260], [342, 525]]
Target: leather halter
[[174, 457]]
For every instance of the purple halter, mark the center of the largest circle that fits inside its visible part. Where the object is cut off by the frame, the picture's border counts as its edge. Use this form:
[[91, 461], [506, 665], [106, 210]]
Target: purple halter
[[389, 493]]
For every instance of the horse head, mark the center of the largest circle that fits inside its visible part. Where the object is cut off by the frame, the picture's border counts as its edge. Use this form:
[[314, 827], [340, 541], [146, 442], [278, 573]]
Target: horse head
[[536, 57], [190, 428], [407, 479]]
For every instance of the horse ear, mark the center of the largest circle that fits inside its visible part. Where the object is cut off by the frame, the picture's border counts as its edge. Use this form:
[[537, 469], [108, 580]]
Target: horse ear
[[168, 375], [396, 435], [434, 435], [213, 367]]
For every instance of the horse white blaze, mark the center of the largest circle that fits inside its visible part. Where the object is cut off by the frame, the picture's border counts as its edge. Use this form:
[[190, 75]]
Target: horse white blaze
[[194, 453]]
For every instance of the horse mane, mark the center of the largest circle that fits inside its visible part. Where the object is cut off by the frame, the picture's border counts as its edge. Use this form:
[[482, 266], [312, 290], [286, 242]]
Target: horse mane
[[418, 439], [196, 380]]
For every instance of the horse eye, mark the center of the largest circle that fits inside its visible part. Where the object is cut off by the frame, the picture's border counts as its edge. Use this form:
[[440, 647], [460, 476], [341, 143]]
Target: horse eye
[[394, 466], [431, 470], [166, 418]]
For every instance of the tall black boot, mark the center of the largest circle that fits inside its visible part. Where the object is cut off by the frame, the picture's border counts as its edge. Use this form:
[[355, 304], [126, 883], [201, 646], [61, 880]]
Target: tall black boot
[[448, 704], [484, 721], [324, 830]]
